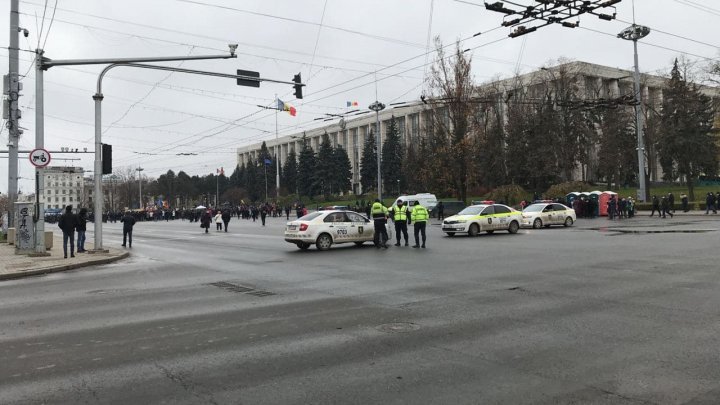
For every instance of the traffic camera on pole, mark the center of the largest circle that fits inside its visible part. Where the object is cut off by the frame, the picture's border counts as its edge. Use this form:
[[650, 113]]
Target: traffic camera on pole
[[298, 86]]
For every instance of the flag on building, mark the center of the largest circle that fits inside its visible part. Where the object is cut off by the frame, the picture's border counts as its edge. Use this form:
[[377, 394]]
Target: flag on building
[[283, 106], [352, 103]]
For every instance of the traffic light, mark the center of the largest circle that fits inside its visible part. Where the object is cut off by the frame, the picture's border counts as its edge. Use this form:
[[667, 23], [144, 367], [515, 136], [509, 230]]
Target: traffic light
[[298, 86], [106, 159]]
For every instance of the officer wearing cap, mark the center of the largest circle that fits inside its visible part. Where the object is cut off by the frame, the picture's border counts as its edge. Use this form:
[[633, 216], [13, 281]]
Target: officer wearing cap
[[399, 214], [379, 215]]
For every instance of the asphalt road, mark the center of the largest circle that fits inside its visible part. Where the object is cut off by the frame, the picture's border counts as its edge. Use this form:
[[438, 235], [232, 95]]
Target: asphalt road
[[601, 313]]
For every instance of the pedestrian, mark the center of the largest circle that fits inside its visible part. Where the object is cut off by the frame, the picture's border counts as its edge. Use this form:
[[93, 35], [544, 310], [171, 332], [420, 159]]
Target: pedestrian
[[399, 214], [68, 224], [287, 212], [263, 213], [128, 223], [226, 218], [205, 220], [665, 204], [684, 202], [671, 202], [81, 228], [710, 203], [655, 206], [612, 207], [218, 221], [440, 210], [379, 215], [419, 217]]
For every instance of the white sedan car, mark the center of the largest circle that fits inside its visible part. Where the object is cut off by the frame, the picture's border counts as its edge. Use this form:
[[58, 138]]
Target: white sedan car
[[324, 228], [545, 214]]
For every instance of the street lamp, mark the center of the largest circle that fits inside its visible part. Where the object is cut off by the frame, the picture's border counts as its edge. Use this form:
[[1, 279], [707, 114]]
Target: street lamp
[[377, 107], [634, 33], [139, 169]]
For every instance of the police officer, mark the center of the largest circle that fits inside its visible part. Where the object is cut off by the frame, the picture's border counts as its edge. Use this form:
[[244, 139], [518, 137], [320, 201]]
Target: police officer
[[419, 217], [379, 214], [399, 214]]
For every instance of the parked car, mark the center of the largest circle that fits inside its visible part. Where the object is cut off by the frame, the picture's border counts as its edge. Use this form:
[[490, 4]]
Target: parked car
[[545, 214], [483, 218]]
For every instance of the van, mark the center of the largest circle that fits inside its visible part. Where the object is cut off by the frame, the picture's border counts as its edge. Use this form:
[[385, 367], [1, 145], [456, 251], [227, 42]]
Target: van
[[427, 200], [449, 208]]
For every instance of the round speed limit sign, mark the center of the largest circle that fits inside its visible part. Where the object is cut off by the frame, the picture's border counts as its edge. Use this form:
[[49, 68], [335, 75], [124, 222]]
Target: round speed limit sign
[[40, 157]]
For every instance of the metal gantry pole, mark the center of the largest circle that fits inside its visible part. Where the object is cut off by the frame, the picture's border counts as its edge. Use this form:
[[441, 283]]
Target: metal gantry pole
[[39, 143], [97, 203], [640, 130], [277, 154], [377, 107], [13, 128]]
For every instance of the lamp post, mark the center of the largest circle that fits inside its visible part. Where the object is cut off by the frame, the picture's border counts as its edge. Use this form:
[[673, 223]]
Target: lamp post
[[139, 169], [634, 33], [377, 107]]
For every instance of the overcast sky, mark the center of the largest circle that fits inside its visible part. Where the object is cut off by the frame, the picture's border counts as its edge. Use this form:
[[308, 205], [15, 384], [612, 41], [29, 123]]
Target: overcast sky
[[150, 117]]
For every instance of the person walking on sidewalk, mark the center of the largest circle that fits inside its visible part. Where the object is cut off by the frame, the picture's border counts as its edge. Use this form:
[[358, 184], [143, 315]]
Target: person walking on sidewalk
[[263, 213], [68, 224], [205, 220], [218, 221], [684, 202], [81, 228], [665, 204], [656, 206], [671, 201], [226, 218], [419, 216], [399, 214], [710, 203], [128, 222]]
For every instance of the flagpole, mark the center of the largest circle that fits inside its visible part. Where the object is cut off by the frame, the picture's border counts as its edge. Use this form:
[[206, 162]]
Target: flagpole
[[277, 153]]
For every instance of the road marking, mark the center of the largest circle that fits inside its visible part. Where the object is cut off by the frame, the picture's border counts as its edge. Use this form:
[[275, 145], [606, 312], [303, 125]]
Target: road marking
[[45, 367]]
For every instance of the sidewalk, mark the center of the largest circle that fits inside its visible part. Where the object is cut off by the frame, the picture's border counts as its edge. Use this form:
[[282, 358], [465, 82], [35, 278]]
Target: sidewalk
[[16, 266]]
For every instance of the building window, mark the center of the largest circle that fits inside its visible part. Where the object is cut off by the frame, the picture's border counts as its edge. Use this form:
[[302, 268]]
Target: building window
[[57, 199]]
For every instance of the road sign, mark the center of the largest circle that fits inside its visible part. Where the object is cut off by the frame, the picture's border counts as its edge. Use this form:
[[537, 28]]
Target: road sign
[[248, 82], [40, 157]]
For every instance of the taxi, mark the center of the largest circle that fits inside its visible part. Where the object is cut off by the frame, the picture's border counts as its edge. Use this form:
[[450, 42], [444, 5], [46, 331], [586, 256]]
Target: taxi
[[325, 228], [546, 213], [486, 217]]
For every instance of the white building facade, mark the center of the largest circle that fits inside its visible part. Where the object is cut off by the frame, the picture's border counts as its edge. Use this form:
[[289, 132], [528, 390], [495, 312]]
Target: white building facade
[[593, 82], [63, 186]]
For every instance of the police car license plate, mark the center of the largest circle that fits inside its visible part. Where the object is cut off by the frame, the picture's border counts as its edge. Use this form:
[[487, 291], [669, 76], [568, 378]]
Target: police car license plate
[[292, 227]]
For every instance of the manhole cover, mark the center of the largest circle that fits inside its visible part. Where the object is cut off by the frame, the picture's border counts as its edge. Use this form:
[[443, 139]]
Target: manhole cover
[[399, 327]]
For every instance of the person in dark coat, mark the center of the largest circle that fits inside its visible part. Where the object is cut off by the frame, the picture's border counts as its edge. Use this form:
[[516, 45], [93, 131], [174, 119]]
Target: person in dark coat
[[710, 203], [128, 223], [205, 220], [81, 228], [665, 204], [263, 213], [671, 201], [226, 218], [656, 206], [684, 202], [68, 224]]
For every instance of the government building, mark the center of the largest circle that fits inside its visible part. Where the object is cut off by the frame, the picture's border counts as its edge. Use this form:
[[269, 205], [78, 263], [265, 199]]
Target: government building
[[593, 82]]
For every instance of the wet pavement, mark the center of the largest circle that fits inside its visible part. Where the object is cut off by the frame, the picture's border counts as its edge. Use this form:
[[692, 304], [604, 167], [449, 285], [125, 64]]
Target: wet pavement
[[595, 313]]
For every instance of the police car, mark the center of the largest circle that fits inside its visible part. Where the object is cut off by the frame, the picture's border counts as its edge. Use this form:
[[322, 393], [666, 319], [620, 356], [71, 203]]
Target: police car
[[547, 213], [486, 217], [325, 228]]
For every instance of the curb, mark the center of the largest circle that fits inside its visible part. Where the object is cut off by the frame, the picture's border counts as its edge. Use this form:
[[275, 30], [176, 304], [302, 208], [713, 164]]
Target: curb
[[64, 267]]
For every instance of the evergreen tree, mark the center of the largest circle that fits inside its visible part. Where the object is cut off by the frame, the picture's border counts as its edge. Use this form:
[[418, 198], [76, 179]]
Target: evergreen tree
[[343, 170], [368, 164], [617, 158], [306, 169], [290, 173], [686, 142], [325, 167], [392, 157]]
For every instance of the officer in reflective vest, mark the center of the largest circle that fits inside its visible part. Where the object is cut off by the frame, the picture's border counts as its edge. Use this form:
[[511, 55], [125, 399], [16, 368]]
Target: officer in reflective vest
[[419, 217], [400, 217], [379, 214]]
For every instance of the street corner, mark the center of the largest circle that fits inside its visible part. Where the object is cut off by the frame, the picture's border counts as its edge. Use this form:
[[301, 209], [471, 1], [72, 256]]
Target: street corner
[[18, 266]]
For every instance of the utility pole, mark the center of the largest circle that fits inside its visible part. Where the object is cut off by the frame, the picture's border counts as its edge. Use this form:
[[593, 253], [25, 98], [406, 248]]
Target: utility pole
[[140, 169], [634, 33], [377, 107], [10, 111]]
